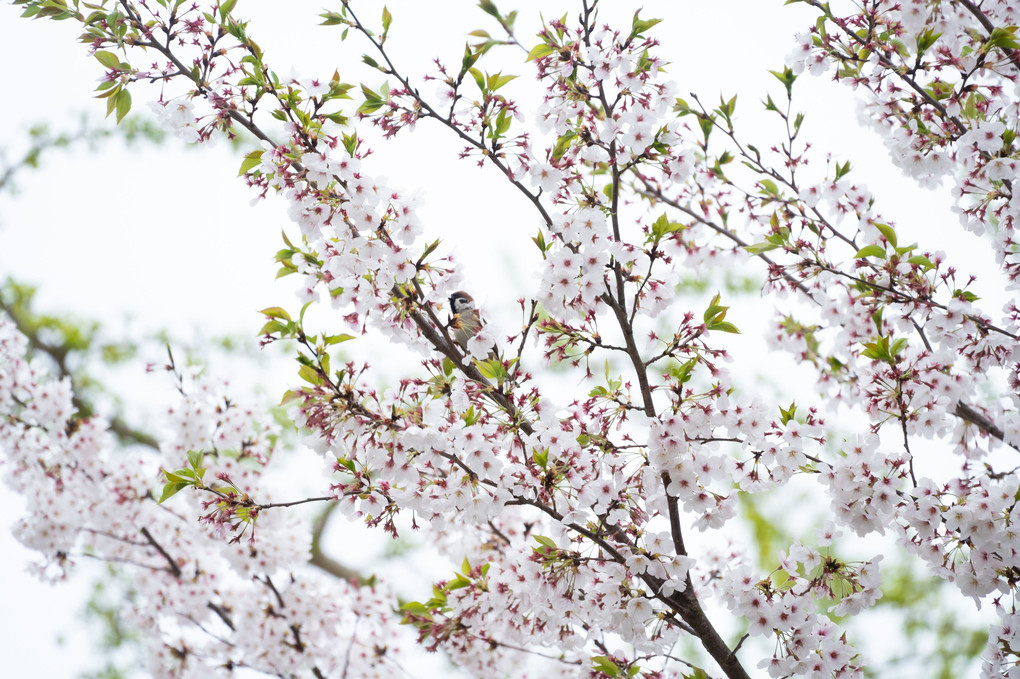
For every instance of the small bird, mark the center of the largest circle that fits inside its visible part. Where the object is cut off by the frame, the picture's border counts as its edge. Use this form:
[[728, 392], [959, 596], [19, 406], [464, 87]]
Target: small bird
[[464, 319]]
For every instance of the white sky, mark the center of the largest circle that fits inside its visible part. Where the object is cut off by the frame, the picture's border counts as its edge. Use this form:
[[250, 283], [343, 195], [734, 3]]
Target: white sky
[[166, 236]]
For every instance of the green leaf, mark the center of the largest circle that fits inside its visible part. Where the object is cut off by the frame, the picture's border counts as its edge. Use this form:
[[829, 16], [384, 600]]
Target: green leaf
[[539, 240], [758, 248], [414, 607], [470, 57], [662, 227], [108, 59], [787, 77], [502, 123], [310, 375], [926, 39], [682, 373], [882, 350], [171, 489], [479, 78], [714, 309], [333, 19], [544, 541], [251, 160], [639, 25], [489, 8], [876, 318], [272, 327], [179, 476], [563, 143], [888, 232], [724, 326], [1003, 38], [728, 107], [492, 369], [965, 295], [275, 312], [330, 340], [350, 143], [706, 125], [787, 414], [539, 51], [873, 351], [498, 80], [769, 187], [603, 664], [373, 102], [458, 582], [123, 104], [429, 249], [921, 261], [872, 250]]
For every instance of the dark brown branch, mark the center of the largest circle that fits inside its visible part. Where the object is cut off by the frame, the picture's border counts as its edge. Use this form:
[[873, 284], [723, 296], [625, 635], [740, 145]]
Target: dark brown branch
[[268, 582], [175, 570], [674, 517], [222, 614], [973, 416]]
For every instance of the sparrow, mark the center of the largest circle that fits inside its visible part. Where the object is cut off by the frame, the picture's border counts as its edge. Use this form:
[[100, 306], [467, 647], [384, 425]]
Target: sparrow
[[464, 319]]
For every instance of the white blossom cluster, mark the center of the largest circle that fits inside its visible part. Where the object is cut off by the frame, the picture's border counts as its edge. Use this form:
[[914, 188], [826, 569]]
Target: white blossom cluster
[[202, 601], [572, 516]]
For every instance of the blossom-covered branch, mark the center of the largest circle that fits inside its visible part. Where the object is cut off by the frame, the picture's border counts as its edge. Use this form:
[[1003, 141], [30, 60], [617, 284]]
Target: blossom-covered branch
[[583, 524]]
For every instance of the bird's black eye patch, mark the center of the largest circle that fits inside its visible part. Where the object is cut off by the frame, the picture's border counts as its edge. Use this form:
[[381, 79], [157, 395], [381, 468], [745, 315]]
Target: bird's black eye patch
[[460, 302]]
